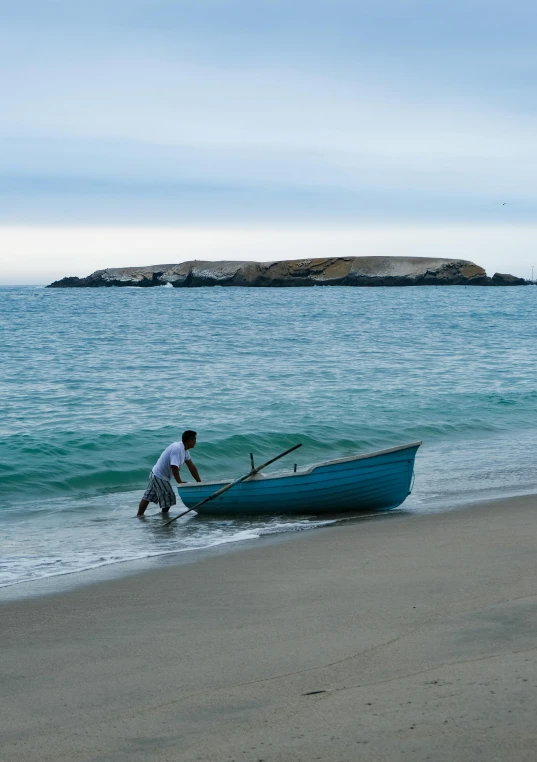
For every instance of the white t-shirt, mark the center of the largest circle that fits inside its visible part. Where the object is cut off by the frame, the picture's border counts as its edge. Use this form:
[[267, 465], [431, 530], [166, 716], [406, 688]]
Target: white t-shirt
[[174, 455]]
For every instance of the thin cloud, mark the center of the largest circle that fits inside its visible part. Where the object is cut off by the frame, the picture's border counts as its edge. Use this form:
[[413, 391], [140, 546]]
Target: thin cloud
[[206, 113]]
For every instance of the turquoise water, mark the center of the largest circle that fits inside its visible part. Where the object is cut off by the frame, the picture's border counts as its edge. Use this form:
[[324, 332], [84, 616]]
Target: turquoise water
[[96, 383]]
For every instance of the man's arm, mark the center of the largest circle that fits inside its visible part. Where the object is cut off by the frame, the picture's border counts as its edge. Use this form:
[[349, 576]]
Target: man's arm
[[175, 472], [193, 470]]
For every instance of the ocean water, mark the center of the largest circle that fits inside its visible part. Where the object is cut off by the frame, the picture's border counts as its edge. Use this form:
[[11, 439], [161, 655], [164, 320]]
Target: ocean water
[[95, 383]]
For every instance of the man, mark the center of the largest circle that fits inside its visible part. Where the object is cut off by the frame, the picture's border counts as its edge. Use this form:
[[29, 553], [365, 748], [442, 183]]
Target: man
[[159, 490]]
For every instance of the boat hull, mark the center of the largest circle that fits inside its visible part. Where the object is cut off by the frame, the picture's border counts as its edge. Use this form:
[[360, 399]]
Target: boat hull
[[378, 481]]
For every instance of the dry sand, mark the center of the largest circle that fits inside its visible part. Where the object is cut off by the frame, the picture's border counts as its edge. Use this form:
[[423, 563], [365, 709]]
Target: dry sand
[[412, 637]]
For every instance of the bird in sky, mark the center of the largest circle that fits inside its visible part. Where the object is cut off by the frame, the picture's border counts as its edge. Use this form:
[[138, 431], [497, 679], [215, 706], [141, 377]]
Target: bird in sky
[[504, 203]]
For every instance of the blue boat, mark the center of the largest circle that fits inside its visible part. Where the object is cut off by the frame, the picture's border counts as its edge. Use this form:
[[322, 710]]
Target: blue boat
[[376, 481]]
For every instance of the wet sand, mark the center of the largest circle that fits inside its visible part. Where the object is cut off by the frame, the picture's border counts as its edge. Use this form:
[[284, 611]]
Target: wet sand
[[412, 637]]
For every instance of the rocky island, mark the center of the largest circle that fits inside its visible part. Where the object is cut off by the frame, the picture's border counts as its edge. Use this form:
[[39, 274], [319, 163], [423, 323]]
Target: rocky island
[[329, 271]]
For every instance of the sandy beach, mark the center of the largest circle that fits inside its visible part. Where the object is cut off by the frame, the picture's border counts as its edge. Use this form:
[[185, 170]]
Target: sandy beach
[[410, 637]]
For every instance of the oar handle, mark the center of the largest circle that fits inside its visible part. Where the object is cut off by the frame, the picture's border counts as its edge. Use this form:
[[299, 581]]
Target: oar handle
[[221, 491]]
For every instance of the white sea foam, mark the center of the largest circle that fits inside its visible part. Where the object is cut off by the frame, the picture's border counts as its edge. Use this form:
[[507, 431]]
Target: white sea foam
[[27, 569]]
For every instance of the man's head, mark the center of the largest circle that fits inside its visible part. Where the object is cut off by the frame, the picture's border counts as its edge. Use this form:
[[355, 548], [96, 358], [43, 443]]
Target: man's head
[[189, 439]]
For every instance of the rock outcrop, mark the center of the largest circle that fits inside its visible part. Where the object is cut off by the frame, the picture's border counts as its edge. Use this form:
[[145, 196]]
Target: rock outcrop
[[504, 279], [330, 271]]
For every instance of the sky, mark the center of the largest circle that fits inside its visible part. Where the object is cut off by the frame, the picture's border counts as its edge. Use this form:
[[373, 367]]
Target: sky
[[148, 131]]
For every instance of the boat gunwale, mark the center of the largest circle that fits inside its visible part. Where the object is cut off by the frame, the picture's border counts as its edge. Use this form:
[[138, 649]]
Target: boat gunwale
[[309, 470]]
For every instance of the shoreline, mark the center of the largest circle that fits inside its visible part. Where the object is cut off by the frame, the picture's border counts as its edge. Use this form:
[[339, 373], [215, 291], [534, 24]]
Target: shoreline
[[65, 582], [412, 637], [73, 580]]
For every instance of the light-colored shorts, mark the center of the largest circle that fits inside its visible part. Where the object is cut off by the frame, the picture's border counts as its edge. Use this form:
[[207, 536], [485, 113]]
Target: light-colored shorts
[[160, 491]]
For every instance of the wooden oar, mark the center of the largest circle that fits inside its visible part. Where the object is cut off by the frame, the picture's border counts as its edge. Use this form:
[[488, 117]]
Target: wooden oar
[[229, 486]]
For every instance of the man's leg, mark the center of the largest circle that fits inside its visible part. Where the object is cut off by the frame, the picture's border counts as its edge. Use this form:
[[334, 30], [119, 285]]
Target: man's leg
[[141, 508], [166, 496]]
